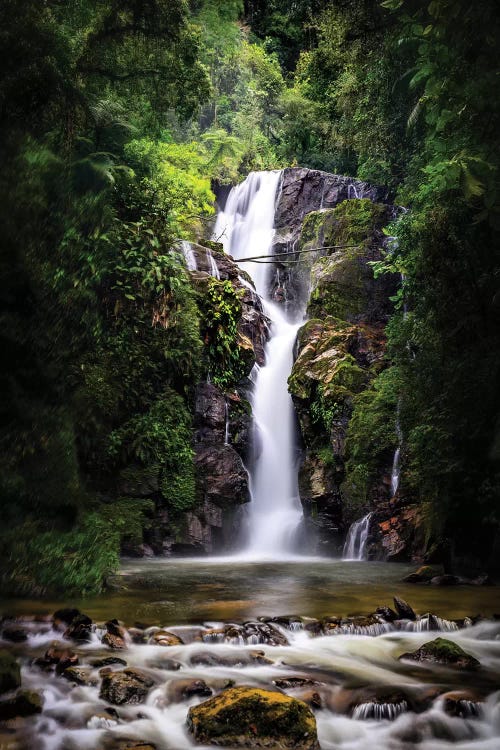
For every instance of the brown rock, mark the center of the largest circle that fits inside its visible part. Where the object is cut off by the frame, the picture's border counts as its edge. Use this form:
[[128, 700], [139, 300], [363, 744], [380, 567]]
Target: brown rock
[[79, 675], [24, 703], [126, 686], [252, 717]]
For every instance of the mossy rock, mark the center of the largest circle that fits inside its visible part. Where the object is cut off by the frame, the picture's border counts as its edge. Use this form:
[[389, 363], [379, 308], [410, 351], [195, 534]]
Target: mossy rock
[[324, 359], [340, 285], [424, 574], [252, 717], [342, 282], [24, 703], [443, 651], [10, 673]]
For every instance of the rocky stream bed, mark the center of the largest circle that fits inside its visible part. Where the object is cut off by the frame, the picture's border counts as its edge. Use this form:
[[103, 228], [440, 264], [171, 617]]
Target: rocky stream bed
[[389, 679]]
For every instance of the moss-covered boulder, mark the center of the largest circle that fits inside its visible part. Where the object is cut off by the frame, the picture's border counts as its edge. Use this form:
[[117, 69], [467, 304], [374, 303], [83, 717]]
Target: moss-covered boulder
[[251, 717], [342, 281], [443, 651], [24, 703], [10, 673]]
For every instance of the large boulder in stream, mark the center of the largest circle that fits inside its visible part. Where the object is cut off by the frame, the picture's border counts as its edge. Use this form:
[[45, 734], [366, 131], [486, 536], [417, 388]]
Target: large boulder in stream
[[125, 686], [10, 673], [444, 652], [252, 717]]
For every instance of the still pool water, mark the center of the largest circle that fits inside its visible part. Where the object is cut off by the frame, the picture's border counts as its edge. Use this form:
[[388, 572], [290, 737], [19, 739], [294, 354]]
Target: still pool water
[[188, 591]]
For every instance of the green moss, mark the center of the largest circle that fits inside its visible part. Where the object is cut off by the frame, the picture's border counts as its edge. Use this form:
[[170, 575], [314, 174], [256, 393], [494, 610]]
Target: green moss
[[229, 354], [371, 437], [159, 443], [341, 277], [443, 651], [324, 371]]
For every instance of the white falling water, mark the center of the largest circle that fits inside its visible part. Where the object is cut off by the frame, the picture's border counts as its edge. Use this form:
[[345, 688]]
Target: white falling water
[[226, 430], [214, 270], [357, 536], [246, 228], [189, 255], [395, 471]]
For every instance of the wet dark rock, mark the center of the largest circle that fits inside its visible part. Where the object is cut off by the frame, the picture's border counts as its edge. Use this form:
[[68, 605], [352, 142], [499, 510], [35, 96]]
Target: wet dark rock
[[405, 612], [24, 703], [10, 673], [424, 574], [80, 675], [290, 683], [179, 690], [210, 659], [107, 661], [58, 656], [113, 641], [443, 651], [80, 629], [164, 663], [259, 657], [127, 686], [462, 703], [164, 638], [137, 635], [311, 698], [262, 632], [291, 622], [14, 633], [65, 616], [386, 613], [315, 627], [252, 717]]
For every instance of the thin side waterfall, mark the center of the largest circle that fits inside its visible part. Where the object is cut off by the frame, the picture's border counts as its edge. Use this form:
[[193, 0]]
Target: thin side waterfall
[[396, 462], [357, 536], [214, 269], [189, 256], [246, 228]]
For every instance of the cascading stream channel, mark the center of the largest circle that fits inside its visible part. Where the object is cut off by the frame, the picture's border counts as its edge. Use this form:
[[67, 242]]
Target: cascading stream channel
[[246, 228]]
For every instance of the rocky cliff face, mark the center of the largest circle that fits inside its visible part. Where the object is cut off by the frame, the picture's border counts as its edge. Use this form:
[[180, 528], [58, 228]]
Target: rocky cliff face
[[303, 191], [341, 348]]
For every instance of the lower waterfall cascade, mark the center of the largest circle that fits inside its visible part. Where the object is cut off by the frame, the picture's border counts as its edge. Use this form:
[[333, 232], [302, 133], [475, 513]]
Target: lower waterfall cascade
[[357, 537], [246, 228]]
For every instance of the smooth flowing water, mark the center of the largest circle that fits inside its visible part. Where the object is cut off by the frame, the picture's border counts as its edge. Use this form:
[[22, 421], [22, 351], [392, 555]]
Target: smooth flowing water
[[246, 229], [348, 670], [357, 537]]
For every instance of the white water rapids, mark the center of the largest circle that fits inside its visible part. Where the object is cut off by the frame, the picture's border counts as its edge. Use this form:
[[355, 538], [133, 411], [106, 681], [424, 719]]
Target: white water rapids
[[76, 717], [246, 229]]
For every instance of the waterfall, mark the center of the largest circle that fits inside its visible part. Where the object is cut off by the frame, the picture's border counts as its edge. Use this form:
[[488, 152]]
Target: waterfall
[[226, 429], [214, 270], [396, 461], [246, 228], [357, 536], [189, 255]]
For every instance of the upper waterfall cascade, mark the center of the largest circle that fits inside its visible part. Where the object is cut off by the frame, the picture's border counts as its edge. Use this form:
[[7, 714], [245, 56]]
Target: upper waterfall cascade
[[246, 228]]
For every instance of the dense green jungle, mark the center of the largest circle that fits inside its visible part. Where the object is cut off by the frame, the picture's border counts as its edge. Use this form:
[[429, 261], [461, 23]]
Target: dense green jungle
[[121, 122]]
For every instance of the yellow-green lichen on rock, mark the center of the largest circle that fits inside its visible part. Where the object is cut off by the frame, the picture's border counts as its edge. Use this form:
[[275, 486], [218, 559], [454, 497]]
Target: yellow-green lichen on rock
[[324, 360], [251, 717]]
